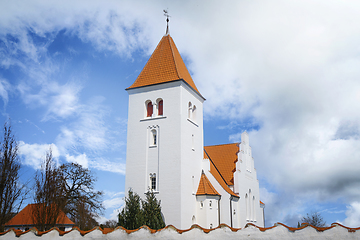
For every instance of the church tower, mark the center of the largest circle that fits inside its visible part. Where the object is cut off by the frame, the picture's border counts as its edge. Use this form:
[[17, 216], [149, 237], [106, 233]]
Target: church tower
[[165, 134]]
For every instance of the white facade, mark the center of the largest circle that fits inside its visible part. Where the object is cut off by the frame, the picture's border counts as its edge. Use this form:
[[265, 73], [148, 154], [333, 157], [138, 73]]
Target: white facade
[[165, 153], [179, 144]]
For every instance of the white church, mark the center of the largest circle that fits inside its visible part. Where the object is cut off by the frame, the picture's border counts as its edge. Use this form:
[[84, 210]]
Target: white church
[[197, 184]]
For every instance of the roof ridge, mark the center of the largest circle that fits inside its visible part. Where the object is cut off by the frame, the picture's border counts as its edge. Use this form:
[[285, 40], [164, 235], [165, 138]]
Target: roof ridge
[[173, 57], [215, 166], [222, 144]]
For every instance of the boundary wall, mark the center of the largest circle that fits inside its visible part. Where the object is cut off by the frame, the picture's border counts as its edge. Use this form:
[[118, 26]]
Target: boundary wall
[[278, 231]]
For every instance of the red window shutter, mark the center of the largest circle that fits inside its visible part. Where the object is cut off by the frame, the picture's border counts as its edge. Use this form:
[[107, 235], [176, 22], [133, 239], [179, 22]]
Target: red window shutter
[[149, 109], [160, 113]]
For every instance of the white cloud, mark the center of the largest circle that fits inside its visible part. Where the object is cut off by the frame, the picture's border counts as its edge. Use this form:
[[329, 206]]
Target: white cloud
[[79, 159], [114, 202], [290, 67], [297, 79], [352, 215], [4, 88], [63, 101], [34, 154], [282, 207], [88, 131], [106, 165], [60, 101]]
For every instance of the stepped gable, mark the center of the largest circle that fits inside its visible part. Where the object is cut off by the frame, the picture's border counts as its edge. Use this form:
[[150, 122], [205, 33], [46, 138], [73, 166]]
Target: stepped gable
[[164, 65]]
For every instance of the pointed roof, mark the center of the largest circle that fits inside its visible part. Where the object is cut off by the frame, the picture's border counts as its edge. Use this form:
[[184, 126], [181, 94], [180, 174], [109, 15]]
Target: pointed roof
[[164, 65], [25, 218], [205, 187]]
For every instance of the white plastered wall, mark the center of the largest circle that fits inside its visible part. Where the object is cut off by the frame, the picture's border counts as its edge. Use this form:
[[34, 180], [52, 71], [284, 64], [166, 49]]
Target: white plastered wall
[[176, 158], [247, 184]]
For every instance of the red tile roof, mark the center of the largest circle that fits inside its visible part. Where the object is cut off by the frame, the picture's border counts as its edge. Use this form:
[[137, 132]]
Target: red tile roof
[[205, 187], [164, 65], [24, 217], [223, 160]]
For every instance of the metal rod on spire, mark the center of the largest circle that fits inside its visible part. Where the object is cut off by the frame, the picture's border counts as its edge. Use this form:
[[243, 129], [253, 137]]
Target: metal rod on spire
[[166, 14]]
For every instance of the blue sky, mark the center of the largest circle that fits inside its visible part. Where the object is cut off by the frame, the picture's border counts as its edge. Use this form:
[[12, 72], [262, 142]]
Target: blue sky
[[285, 71]]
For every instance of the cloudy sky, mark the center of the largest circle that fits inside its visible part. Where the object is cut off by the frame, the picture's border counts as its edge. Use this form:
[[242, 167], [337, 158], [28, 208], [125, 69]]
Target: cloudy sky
[[288, 72]]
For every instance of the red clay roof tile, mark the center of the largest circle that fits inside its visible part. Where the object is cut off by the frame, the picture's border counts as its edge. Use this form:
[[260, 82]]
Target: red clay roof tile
[[24, 217], [205, 187], [164, 65], [224, 158]]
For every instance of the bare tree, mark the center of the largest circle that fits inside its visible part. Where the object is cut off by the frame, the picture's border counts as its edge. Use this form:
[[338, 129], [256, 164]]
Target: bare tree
[[68, 188], [315, 219], [83, 202], [12, 192], [49, 192], [110, 224], [84, 218]]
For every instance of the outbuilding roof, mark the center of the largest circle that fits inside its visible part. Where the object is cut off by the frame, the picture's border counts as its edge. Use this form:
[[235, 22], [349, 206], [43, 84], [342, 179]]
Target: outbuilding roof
[[25, 218]]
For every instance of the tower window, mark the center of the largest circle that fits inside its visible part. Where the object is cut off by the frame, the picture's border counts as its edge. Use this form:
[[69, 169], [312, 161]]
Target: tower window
[[153, 137], [194, 113], [149, 109], [160, 108], [153, 181], [189, 110]]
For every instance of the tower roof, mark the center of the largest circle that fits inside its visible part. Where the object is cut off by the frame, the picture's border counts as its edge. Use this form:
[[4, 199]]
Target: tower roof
[[164, 65]]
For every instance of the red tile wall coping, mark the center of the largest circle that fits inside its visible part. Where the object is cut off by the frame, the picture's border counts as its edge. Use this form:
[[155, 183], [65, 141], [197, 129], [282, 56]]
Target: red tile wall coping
[[18, 233]]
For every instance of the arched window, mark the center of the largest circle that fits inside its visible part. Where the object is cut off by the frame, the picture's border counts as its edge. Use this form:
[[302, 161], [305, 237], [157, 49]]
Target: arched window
[[189, 110], [153, 137], [210, 204], [250, 206], [160, 107], [192, 142], [149, 109], [254, 209], [247, 206], [153, 181], [194, 113], [193, 219]]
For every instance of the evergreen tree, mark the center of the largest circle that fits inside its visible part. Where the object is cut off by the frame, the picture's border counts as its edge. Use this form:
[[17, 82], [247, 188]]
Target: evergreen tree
[[137, 212], [152, 211], [131, 217]]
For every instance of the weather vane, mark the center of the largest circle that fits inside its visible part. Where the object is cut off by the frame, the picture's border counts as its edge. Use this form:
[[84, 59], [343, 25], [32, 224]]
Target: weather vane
[[166, 14]]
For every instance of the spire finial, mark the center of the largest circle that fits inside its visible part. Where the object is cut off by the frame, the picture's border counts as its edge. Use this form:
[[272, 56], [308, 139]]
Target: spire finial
[[166, 14]]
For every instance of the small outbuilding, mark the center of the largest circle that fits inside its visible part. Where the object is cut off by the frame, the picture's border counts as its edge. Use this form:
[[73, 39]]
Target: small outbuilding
[[24, 220]]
